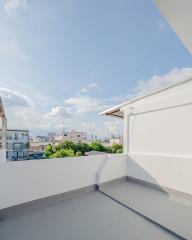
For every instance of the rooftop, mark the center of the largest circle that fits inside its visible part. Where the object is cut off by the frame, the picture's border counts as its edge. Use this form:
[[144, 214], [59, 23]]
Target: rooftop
[[145, 193], [94, 215]]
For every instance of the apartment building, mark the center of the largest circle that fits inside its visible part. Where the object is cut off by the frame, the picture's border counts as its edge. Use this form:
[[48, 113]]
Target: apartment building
[[71, 136], [17, 144], [51, 136], [36, 146]]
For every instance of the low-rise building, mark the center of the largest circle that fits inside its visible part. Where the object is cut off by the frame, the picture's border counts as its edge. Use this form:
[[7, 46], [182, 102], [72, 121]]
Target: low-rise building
[[17, 144], [115, 140], [71, 136], [51, 136], [36, 146], [42, 138]]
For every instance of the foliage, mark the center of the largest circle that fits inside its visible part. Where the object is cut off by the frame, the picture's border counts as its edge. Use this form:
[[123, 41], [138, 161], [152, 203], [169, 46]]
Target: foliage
[[49, 151], [63, 153], [108, 150], [78, 154], [82, 147], [70, 149], [97, 146], [66, 145], [117, 148]]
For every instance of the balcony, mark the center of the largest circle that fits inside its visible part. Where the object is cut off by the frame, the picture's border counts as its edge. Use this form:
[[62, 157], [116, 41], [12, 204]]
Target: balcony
[[89, 198], [145, 193]]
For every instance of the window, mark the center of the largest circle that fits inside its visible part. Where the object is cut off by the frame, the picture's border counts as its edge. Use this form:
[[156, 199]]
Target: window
[[16, 136], [17, 146], [9, 137], [20, 154], [78, 135]]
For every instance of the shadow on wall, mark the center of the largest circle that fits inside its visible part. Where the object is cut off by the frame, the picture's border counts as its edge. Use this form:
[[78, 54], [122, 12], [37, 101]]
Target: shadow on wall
[[137, 173], [170, 173]]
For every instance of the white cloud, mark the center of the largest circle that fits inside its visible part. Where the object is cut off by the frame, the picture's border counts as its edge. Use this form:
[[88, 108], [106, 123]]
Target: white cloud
[[87, 88], [157, 82], [11, 5], [89, 127], [34, 119], [82, 104], [24, 112], [59, 112], [145, 87], [14, 99]]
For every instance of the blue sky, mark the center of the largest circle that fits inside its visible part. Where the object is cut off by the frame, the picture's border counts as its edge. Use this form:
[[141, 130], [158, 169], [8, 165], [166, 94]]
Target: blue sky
[[63, 61]]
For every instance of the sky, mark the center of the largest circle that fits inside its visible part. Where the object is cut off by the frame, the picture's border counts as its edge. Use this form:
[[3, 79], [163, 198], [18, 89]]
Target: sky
[[64, 61]]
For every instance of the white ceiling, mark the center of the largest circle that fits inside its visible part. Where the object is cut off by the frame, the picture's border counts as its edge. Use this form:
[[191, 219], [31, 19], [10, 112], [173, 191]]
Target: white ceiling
[[178, 14]]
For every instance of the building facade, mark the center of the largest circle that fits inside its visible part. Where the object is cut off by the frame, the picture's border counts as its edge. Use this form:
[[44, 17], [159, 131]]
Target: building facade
[[42, 138], [17, 144], [51, 136], [115, 140], [71, 136]]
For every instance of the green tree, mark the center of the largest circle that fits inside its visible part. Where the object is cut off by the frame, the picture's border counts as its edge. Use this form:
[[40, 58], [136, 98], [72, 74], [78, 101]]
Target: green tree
[[117, 148], [78, 154], [97, 146], [70, 149], [63, 153], [49, 151], [65, 145], [109, 150], [82, 147]]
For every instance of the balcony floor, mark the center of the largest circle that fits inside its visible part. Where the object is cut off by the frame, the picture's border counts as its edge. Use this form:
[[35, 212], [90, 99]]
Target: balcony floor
[[171, 211], [87, 217]]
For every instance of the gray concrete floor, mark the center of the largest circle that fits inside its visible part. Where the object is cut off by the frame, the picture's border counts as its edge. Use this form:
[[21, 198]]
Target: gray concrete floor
[[172, 211], [88, 217]]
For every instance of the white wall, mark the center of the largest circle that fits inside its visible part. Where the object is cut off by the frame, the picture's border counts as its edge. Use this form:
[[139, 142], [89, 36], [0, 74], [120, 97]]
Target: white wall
[[114, 167], [160, 138], [23, 181], [167, 171], [167, 131]]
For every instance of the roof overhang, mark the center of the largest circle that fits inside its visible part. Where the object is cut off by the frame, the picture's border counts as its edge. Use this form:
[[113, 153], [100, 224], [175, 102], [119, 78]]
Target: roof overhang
[[178, 15], [114, 111], [118, 111]]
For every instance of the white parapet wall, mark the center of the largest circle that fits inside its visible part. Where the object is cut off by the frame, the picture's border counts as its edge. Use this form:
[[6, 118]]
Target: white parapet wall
[[113, 168], [24, 181]]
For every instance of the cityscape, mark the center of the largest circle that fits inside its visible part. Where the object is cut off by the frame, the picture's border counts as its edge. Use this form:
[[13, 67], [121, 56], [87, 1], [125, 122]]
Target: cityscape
[[21, 146], [95, 120]]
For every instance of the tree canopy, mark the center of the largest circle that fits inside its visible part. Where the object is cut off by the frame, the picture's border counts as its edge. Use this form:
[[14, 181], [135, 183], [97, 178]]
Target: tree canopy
[[71, 149]]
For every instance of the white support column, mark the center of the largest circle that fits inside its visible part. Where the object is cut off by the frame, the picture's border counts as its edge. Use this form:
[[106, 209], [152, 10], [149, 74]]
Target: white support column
[[3, 150], [126, 132], [4, 132]]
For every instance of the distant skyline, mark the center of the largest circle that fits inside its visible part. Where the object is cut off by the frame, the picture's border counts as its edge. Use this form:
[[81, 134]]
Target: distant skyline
[[63, 61]]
